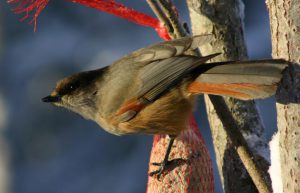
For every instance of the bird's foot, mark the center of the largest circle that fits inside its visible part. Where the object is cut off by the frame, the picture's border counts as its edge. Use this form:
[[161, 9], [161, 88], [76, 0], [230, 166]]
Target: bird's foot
[[165, 166]]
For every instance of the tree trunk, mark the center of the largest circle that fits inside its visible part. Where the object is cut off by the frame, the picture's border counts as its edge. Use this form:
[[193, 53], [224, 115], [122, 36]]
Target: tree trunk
[[223, 19], [285, 27]]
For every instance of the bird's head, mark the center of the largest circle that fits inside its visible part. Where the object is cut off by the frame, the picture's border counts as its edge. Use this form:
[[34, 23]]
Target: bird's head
[[78, 93]]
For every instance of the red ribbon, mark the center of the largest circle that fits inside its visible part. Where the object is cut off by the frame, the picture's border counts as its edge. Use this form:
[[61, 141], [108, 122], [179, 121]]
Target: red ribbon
[[33, 8]]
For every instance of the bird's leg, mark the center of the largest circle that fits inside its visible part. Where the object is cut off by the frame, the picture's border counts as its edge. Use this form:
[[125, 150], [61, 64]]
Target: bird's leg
[[165, 164]]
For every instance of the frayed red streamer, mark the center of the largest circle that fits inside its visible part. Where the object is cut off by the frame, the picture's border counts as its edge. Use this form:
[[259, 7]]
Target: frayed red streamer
[[32, 8], [27, 7], [120, 10]]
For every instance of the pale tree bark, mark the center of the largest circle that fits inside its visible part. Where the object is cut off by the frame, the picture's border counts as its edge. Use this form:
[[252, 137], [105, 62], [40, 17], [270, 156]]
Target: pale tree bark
[[223, 19], [285, 30]]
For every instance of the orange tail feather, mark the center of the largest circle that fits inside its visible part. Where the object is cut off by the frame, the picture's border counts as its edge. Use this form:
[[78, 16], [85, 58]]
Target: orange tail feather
[[245, 91]]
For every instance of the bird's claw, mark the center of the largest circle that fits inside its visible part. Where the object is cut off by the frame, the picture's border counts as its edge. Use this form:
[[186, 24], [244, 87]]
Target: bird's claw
[[156, 164], [166, 166], [163, 166]]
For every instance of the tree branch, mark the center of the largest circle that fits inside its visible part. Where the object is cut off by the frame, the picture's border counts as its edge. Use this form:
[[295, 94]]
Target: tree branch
[[169, 10], [240, 144], [153, 4], [164, 10]]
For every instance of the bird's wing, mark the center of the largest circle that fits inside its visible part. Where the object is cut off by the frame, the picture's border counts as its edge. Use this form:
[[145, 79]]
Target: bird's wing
[[166, 49], [158, 77]]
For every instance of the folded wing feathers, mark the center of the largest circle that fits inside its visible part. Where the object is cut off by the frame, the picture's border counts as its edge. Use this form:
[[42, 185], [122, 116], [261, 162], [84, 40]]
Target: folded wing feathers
[[168, 49], [159, 76]]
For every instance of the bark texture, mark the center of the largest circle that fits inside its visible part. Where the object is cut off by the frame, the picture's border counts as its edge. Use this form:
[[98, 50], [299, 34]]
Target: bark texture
[[223, 19], [285, 30]]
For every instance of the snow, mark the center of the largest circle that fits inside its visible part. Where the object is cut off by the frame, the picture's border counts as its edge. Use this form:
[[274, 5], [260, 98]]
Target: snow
[[275, 168]]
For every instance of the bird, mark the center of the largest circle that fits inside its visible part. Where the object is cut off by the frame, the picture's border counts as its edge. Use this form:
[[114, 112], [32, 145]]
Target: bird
[[153, 90]]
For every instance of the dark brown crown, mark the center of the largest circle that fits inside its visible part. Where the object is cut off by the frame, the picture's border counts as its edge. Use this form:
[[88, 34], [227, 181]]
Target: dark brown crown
[[79, 80]]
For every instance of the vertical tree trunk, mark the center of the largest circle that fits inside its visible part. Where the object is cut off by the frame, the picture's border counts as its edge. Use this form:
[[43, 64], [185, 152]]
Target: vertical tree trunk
[[223, 19], [285, 29]]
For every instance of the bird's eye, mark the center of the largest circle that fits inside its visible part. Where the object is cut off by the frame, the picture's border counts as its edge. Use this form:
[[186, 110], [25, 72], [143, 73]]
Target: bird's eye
[[72, 87]]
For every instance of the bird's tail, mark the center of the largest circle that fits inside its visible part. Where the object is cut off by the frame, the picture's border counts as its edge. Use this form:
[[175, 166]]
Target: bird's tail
[[242, 79]]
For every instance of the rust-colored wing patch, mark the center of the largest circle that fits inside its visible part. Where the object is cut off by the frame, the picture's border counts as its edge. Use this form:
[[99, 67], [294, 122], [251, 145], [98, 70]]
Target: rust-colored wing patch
[[131, 105], [245, 91]]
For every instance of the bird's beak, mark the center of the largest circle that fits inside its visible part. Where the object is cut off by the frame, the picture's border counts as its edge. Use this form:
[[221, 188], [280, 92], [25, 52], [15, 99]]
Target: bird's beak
[[51, 99]]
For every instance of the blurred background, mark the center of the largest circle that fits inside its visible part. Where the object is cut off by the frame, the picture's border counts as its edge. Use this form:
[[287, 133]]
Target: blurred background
[[44, 149]]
